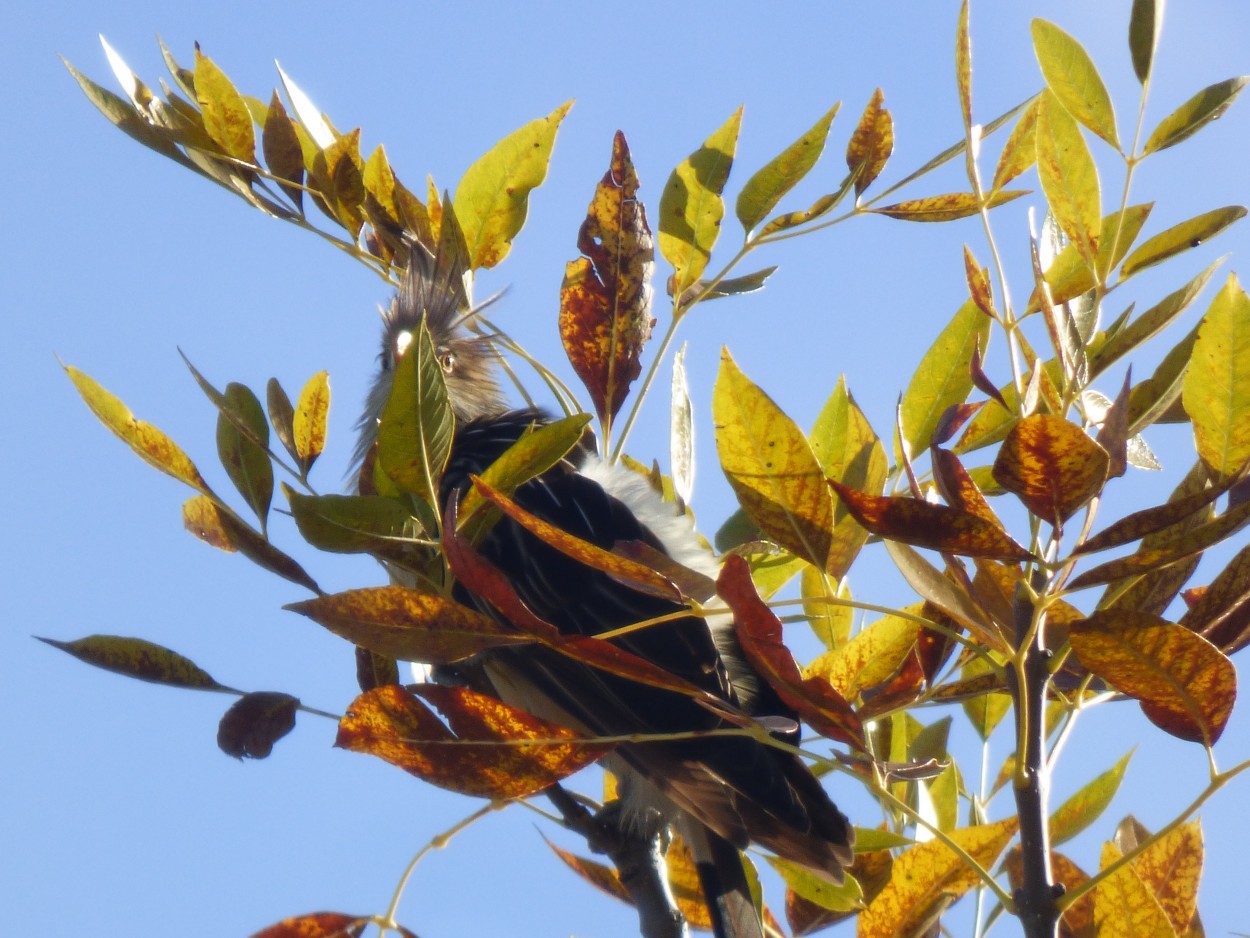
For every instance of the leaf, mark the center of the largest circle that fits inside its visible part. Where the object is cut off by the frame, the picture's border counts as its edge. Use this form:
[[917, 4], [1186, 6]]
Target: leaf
[[691, 207], [309, 114], [1073, 78], [1185, 686], [730, 286], [394, 725], [1147, 521], [847, 450], [681, 431], [408, 624], [818, 889], [1123, 905], [281, 416], [1171, 868], [226, 117], [819, 208], [1207, 105], [952, 599], [1217, 384], [1020, 150], [255, 722], [1182, 237], [1221, 614], [979, 287], [871, 657], [245, 460], [493, 195], [340, 170], [1070, 274], [1145, 25], [928, 876], [770, 466], [937, 527], [283, 154], [782, 173], [535, 451], [948, 207], [605, 299], [1069, 176], [318, 925], [830, 622], [1051, 465], [140, 659], [217, 525], [963, 66], [149, 443], [943, 377], [871, 144], [414, 435], [1088, 804], [986, 709], [813, 699], [353, 524]]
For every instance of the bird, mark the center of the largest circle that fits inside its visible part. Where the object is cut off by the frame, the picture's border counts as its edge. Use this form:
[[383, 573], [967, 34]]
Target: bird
[[720, 793]]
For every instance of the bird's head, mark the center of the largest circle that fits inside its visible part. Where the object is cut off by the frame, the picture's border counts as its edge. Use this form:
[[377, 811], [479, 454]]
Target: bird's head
[[432, 292]]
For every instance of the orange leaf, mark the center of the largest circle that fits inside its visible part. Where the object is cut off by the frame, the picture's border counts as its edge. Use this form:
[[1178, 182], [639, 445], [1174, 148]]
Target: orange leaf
[[605, 300], [872, 142], [759, 631], [1051, 465], [394, 725], [938, 527], [317, 925], [1184, 684]]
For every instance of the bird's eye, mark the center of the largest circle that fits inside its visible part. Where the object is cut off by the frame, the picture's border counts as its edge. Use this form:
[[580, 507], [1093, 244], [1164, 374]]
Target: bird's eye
[[448, 361]]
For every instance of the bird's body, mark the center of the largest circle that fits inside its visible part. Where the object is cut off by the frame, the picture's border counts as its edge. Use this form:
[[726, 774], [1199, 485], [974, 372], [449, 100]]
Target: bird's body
[[719, 790]]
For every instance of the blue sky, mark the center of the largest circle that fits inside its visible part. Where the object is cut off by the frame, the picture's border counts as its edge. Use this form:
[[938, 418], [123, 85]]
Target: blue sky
[[122, 816]]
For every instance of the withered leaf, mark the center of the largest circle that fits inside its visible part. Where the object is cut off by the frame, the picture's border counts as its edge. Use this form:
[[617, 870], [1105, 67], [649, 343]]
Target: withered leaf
[[255, 722], [1051, 465]]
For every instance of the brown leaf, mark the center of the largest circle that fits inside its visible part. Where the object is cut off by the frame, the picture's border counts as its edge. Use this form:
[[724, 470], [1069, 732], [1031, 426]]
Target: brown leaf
[[871, 143], [1051, 465], [283, 154], [1184, 684], [1078, 918], [958, 488], [407, 624], [374, 670], [938, 527], [317, 925], [255, 722], [759, 631], [1139, 524], [950, 206], [1221, 612], [605, 300], [394, 725], [602, 877], [978, 283]]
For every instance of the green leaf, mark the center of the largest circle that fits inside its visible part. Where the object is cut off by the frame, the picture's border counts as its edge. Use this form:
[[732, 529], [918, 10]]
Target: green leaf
[[733, 286], [1071, 74], [1207, 105], [281, 416], [493, 195], [1188, 234], [830, 622], [944, 376], [691, 207], [1217, 385], [1069, 176], [1070, 274], [226, 117], [244, 453], [765, 189], [148, 442], [414, 436], [1088, 804], [819, 889], [770, 465], [139, 659], [351, 524], [1145, 24]]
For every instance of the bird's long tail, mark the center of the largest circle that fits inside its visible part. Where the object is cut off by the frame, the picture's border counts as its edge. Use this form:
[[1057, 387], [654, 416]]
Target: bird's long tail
[[725, 885]]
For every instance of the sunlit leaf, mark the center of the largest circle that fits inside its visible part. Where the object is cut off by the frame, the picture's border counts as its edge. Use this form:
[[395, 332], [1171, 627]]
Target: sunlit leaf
[[140, 659], [963, 66], [830, 622], [938, 527], [1217, 384], [1020, 150], [149, 443], [948, 207], [1145, 24], [871, 143], [1069, 176], [255, 722], [317, 925], [226, 117], [691, 207], [944, 375], [1124, 906], [1088, 804], [985, 710], [871, 657], [1184, 684], [765, 189], [1070, 274], [218, 526], [759, 632], [1207, 105], [819, 208], [931, 585], [818, 889], [407, 624], [605, 299], [927, 877], [1171, 868], [1051, 465], [352, 524], [681, 430], [394, 725], [340, 170], [1072, 76], [245, 460], [1182, 237], [414, 436], [770, 465]]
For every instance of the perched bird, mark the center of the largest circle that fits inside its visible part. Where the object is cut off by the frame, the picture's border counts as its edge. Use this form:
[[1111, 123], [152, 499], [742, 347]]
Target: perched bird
[[720, 793]]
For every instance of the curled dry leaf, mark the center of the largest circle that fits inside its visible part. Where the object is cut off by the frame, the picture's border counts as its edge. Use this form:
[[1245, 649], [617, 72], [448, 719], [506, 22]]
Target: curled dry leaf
[[255, 722]]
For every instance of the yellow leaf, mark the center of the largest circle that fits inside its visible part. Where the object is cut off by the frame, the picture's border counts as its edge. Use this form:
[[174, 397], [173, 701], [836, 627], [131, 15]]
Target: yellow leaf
[[871, 144], [1171, 868], [1069, 176], [764, 190], [1207, 105], [1124, 907], [1188, 234], [226, 117], [309, 421], [1074, 79], [1216, 390]]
